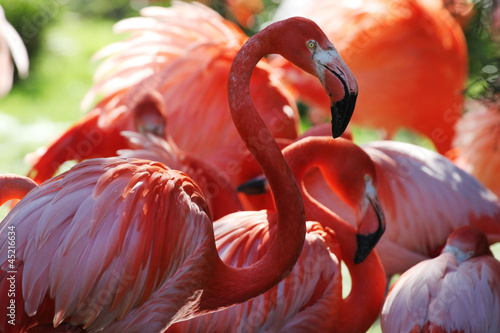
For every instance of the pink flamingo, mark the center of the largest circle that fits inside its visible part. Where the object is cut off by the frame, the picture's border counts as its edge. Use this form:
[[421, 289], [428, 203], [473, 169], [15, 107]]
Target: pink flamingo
[[105, 222], [424, 197], [184, 52], [458, 291], [409, 58], [476, 145], [11, 47], [310, 298]]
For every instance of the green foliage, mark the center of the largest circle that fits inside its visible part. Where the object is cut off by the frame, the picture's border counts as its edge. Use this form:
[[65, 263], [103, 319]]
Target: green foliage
[[484, 52]]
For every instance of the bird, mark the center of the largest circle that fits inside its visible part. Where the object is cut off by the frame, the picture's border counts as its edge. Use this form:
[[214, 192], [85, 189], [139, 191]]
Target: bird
[[476, 145], [11, 48], [127, 245], [409, 58], [310, 298], [458, 291], [424, 197], [184, 52]]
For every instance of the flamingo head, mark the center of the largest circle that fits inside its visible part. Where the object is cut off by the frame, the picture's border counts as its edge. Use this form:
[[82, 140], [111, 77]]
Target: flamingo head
[[305, 45], [354, 180], [150, 115], [467, 242]]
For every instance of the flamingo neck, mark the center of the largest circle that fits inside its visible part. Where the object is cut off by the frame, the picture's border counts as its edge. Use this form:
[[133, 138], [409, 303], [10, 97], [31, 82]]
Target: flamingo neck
[[231, 285], [361, 307], [14, 187]]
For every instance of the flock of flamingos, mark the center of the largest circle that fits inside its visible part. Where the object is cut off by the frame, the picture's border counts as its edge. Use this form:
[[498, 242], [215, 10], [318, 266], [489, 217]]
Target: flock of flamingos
[[197, 205]]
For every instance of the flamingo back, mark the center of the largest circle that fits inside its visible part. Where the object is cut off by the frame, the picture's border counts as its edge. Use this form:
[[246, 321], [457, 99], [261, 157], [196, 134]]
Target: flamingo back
[[119, 233], [445, 294]]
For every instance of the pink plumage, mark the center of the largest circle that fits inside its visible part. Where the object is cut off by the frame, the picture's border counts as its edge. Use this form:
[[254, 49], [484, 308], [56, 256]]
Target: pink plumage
[[477, 142], [458, 291]]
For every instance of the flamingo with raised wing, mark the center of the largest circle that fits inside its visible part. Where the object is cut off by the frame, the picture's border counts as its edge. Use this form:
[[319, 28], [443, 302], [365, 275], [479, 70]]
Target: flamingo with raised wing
[[184, 52], [127, 245], [458, 291]]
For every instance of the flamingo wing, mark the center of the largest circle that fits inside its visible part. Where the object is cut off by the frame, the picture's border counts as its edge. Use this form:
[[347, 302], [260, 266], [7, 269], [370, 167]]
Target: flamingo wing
[[305, 299], [103, 239], [185, 52]]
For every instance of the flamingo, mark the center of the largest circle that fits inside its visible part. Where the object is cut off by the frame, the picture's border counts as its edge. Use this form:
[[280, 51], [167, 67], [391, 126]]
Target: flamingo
[[184, 52], [409, 57], [310, 299], [424, 197], [476, 143], [131, 242], [458, 291], [11, 47]]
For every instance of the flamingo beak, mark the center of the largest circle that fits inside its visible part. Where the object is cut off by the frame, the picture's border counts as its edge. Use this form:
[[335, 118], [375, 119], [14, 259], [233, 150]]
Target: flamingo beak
[[342, 88], [371, 226]]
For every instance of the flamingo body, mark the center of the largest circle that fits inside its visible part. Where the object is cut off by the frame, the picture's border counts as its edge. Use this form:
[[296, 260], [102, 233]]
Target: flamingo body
[[84, 216], [458, 291]]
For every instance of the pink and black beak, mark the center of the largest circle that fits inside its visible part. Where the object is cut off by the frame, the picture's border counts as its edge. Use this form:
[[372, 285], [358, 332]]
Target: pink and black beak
[[371, 225], [342, 89]]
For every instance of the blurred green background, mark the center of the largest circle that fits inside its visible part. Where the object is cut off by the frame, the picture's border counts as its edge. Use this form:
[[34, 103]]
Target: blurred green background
[[62, 35]]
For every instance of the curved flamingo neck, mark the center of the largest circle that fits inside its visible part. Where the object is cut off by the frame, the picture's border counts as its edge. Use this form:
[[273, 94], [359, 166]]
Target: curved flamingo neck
[[14, 187], [361, 307], [231, 285]]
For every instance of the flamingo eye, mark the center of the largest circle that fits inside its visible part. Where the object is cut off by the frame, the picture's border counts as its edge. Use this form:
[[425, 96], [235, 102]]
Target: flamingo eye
[[311, 44]]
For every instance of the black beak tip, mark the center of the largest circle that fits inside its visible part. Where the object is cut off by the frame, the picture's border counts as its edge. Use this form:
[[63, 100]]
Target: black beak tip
[[366, 243], [341, 114]]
